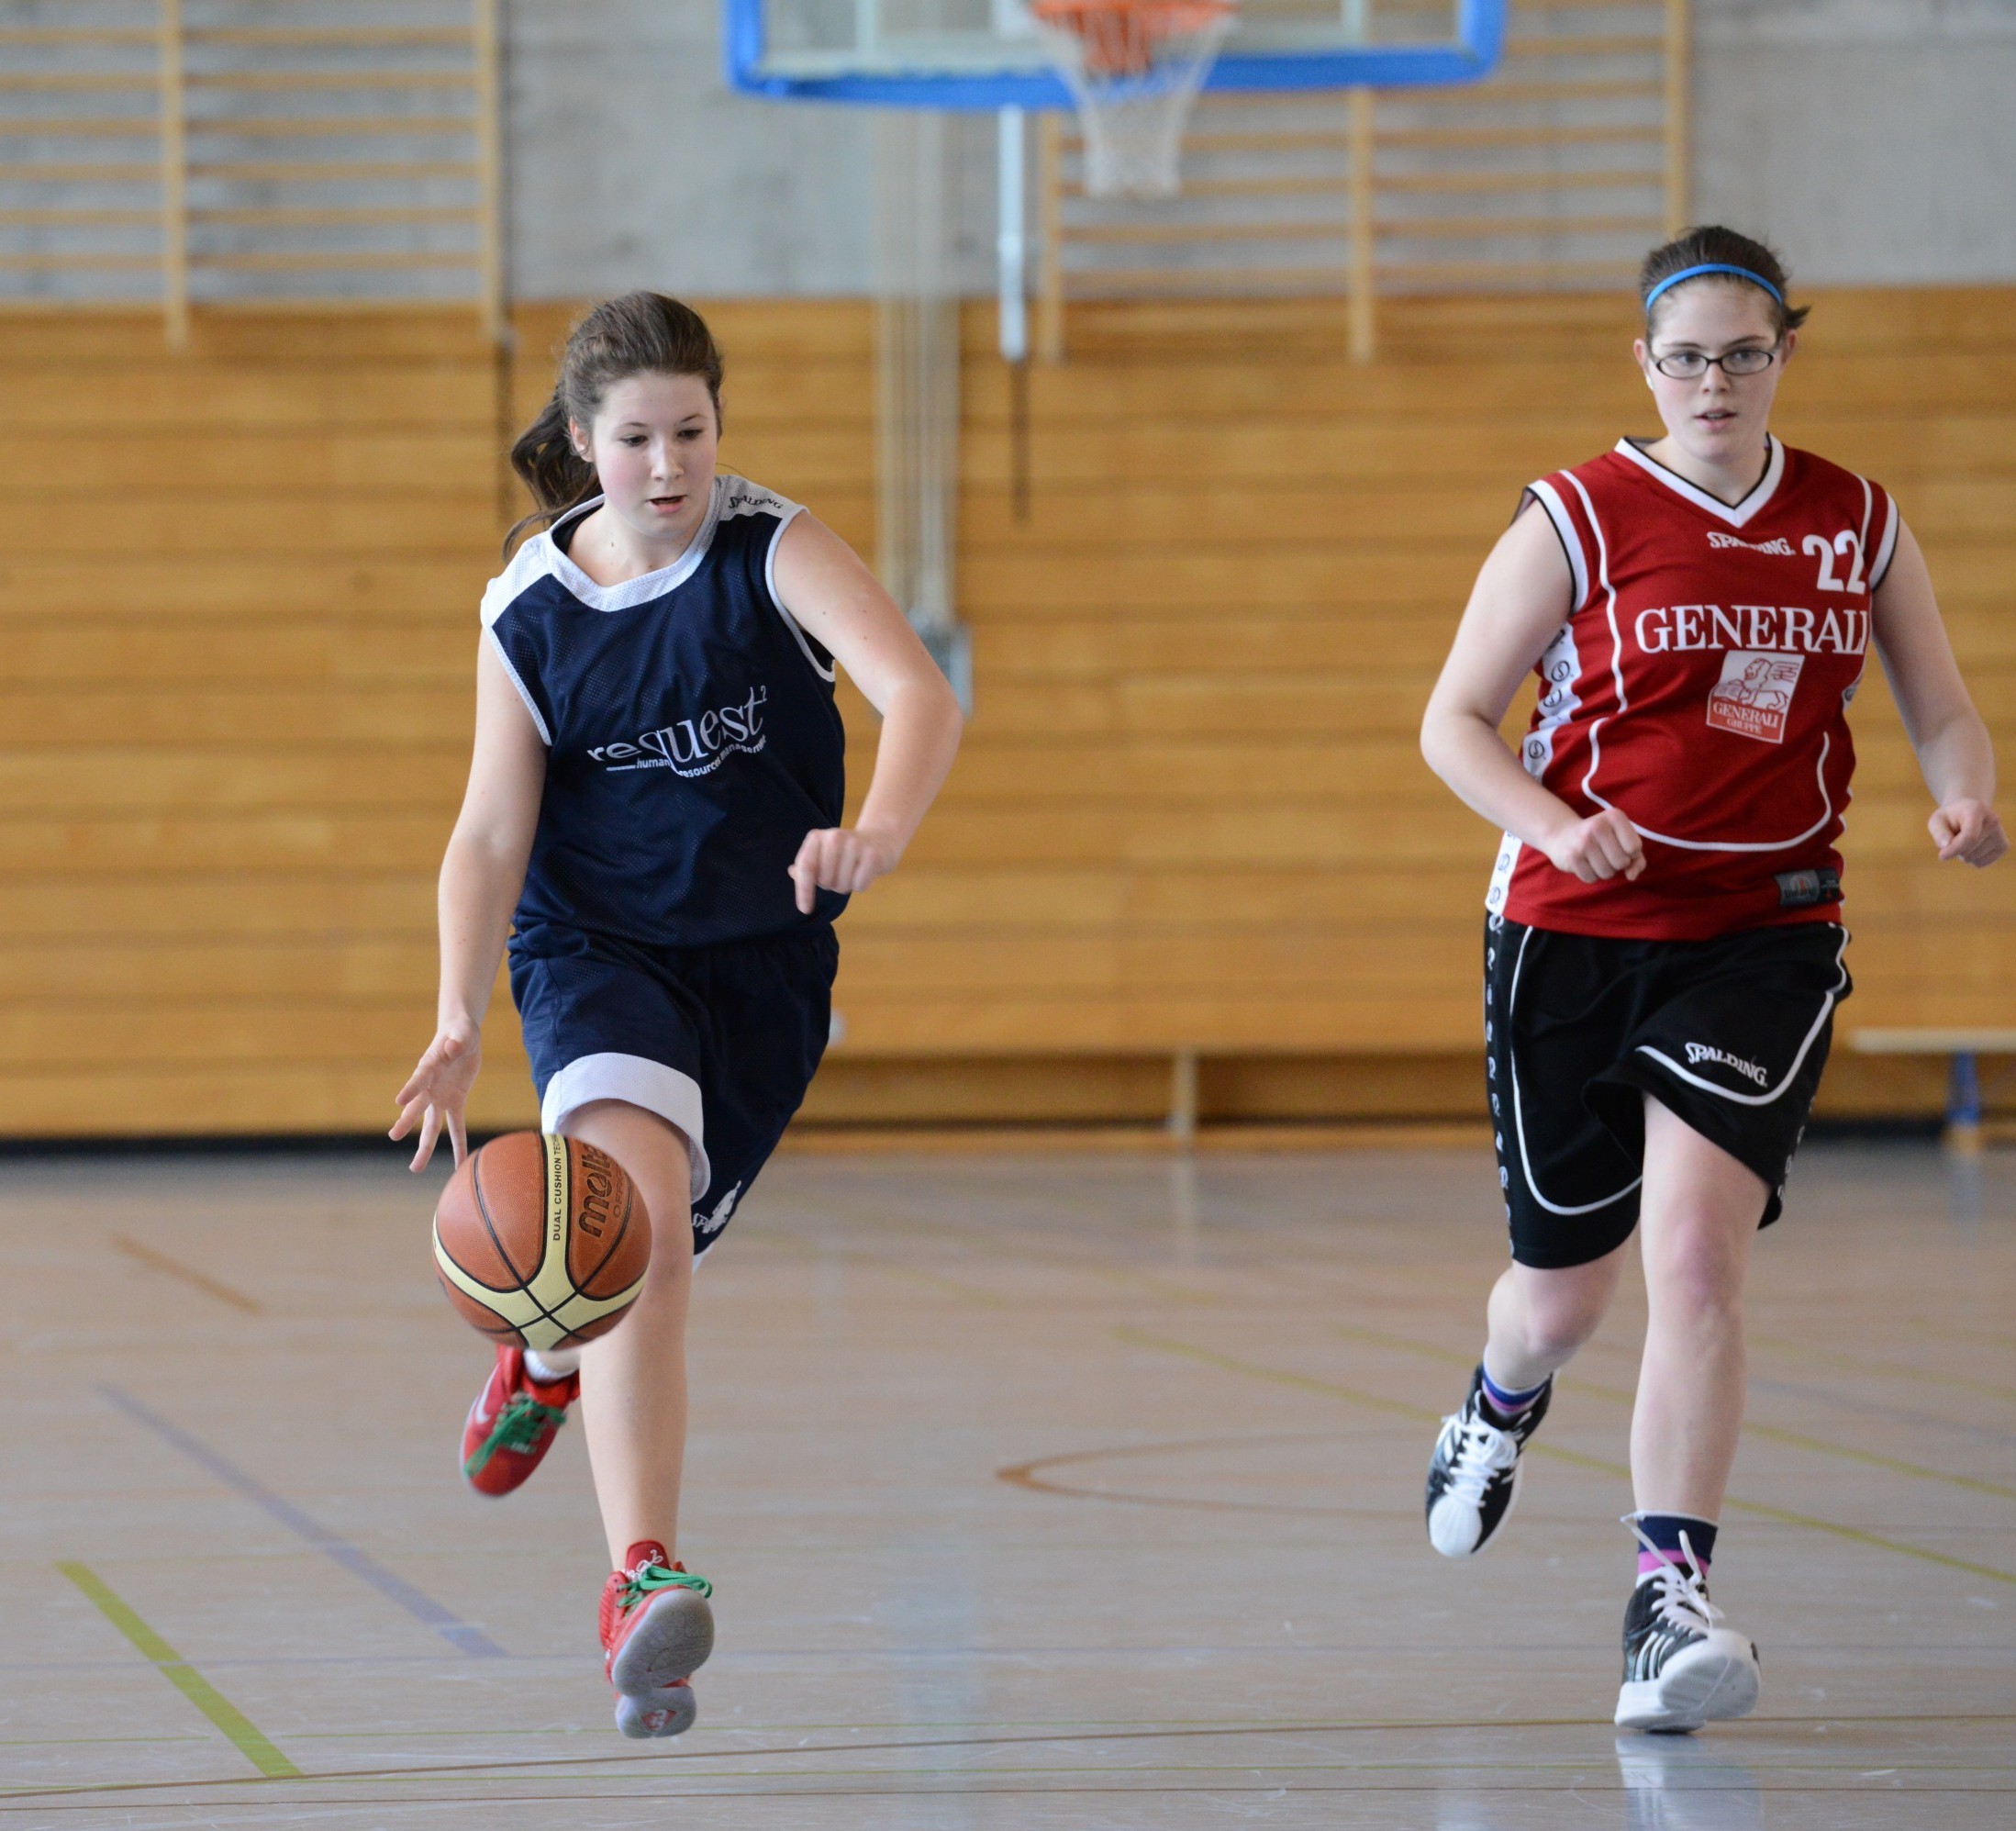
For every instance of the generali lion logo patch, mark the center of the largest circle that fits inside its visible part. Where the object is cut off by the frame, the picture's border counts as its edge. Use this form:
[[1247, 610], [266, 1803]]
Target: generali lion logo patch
[[1753, 697]]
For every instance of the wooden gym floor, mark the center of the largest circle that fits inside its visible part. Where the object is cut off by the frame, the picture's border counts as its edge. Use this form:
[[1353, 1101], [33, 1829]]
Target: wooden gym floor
[[1068, 1493]]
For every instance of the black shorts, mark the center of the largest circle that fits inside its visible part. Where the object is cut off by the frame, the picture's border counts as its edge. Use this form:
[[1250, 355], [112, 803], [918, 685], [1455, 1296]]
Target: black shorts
[[1730, 1034], [721, 1041]]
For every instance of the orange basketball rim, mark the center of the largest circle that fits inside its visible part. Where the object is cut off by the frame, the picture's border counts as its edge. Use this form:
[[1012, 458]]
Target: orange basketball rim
[[1121, 37]]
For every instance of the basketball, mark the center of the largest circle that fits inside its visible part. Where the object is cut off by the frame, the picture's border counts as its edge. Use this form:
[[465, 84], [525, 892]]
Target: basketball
[[541, 1241]]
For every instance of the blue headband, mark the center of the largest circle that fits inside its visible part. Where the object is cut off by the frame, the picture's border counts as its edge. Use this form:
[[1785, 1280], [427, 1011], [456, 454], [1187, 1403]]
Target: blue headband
[[1712, 267]]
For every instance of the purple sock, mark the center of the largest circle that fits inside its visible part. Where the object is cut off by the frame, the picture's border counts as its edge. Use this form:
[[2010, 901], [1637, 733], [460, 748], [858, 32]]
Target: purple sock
[[1663, 1530], [1506, 1403]]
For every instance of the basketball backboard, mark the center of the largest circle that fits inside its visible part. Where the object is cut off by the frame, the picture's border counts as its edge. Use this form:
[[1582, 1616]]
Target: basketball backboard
[[979, 54]]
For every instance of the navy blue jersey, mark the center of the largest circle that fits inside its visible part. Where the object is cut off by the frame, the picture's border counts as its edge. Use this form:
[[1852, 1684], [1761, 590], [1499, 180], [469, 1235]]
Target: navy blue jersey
[[692, 739]]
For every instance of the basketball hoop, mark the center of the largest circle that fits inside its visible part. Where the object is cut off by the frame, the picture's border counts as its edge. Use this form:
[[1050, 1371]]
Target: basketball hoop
[[1133, 67]]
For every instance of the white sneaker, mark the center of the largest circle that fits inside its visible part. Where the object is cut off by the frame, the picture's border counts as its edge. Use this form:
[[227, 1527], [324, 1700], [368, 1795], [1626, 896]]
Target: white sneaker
[[1682, 1666]]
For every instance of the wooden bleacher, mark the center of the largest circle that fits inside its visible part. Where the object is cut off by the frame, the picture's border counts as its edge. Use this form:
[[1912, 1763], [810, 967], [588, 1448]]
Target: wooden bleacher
[[238, 592]]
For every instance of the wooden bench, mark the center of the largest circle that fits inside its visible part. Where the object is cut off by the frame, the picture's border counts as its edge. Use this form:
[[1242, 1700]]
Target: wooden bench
[[1963, 1050]]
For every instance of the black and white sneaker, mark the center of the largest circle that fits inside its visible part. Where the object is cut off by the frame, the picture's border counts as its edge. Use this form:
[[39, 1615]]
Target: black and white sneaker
[[1682, 1666], [1474, 1477]]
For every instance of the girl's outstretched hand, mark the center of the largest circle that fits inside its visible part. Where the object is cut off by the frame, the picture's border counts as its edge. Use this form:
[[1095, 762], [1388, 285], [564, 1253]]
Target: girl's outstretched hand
[[1970, 831], [838, 858], [436, 1092]]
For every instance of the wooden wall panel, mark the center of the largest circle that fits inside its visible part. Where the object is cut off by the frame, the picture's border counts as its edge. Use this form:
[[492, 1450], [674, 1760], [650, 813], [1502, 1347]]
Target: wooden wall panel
[[234, 721], [1169, 697]]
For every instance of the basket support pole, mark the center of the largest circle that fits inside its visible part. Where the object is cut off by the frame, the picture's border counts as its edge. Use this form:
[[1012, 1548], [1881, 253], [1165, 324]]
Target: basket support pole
[[1360, 284], [1050, 297], [1679, 98], [174, 180], [1012, 242]]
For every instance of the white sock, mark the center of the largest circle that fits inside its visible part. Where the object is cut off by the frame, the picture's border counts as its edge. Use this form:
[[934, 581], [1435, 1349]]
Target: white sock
[[555, 1364]]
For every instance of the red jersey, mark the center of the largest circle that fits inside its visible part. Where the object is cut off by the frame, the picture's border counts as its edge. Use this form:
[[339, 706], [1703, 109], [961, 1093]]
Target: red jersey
[[1700, 685]]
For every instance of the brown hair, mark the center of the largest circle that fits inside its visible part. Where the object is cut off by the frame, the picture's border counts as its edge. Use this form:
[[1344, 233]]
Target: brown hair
[[1712, 244], [634, 334]]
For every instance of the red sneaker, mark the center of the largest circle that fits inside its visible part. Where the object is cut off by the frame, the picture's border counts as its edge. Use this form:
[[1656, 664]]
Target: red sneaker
[[657, 1630], [512, 1424]]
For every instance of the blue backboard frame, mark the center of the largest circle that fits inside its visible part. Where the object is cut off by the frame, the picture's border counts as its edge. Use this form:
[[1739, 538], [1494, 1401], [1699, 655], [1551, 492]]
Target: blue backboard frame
[[1470, 53]]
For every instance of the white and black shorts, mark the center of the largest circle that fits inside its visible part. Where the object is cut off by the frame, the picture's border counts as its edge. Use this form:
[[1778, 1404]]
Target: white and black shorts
[[1730, 1034]]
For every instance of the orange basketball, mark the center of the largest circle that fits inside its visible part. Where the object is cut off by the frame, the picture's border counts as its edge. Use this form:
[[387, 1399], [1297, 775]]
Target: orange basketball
[[541, 1241]]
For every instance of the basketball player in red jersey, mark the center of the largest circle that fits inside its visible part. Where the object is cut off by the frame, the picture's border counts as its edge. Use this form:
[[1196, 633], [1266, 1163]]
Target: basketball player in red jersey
[[1664, 949]]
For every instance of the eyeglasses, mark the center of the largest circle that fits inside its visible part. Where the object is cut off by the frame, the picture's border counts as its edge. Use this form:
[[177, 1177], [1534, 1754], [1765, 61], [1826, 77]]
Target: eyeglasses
[[1690, 365]]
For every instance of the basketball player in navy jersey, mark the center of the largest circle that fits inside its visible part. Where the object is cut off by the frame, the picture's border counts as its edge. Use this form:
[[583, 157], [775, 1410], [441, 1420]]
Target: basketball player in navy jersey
[[1664, 948], [653, 819]]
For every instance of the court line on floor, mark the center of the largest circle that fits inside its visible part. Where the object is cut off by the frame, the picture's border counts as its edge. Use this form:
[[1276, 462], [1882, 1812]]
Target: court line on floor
[[203, 1281], [1598, 1465], [1169, 1290], [1026, 1475], [1769, 1433], [1835, 1399], [1077, 1263], [537, 1767], [1266, 1788], [615, 1763], [458, 1633], [1852, 1364], [1622, 1351], [231, 1721]]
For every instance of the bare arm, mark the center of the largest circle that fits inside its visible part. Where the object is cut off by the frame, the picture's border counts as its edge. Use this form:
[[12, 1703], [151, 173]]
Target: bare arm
[[840, 601], [481, 878], [1955, 754], [1521, 600]]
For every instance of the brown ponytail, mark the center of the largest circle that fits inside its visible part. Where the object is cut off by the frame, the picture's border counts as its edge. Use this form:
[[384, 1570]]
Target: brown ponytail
[[635, 334]]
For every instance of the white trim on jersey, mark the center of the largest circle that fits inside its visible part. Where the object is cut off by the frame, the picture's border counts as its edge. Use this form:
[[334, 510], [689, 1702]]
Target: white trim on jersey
[[632, 591], [1862, 549], [793, 511], [638, 1081], [1623, 706], [523, 570], [1880, 567], [1501, 886], [1744, 512], [1560, 667], [1518, 1122], [1549, 498], [1766, 1098], [532, 706], [542, 557]]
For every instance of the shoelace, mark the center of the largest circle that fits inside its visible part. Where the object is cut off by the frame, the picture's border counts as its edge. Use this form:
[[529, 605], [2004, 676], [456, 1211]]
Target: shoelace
[[648, 1578], [1684, 1606], [518, 1427], [1482, 1452]]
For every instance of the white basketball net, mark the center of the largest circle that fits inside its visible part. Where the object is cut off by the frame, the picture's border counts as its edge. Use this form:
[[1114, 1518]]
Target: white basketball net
[[1133, 68]]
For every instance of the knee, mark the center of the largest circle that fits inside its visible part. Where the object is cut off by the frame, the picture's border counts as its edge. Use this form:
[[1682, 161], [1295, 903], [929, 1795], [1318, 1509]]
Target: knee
[[1560, 1311], [1695, 1272], [671, 1243], [1557, 1327]]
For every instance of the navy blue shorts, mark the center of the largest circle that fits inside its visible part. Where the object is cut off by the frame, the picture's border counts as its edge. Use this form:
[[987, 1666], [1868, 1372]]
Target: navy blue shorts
[[720, 1042]]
